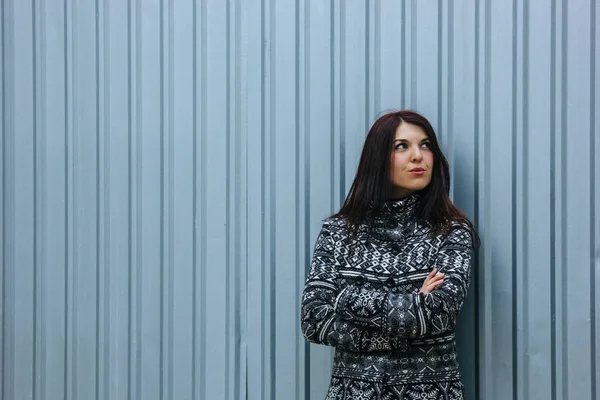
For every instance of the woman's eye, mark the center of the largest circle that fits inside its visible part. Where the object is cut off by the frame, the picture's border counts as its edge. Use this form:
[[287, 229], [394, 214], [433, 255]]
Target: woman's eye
[[427, 145], [400, 146]]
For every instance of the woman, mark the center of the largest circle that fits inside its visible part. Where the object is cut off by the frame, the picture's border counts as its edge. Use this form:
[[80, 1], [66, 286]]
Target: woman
[[390, 271]]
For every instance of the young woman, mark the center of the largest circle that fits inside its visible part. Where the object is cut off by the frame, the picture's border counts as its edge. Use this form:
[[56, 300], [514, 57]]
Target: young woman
[[390, 271]]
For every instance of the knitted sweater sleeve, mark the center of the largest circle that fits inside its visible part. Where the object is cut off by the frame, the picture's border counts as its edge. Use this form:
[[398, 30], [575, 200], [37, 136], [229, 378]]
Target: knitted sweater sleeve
[[416, 315], [320, 324]]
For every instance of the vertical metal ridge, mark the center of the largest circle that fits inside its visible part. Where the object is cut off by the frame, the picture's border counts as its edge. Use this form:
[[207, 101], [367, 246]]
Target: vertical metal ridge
[[35, 211], [403, 31], [593, 250], [525, 189], [74, 232], [247, 33], [272, 197], [40, 201], [98, 211], [377, 66], [8, 219], [413, 56], [166, 200], [71, 245], [298, 98], [596, 194], [240, 212], [203, 195], [552, 216], [342, 101], [68, 261], [334, 83], [514, 215], [229, 342], [3, 162], [166, 203], [563, 195], [42, 145], [235, 79], [440, 98], [139, 221], [450, 88], [476, 203], [161, 356], [560, 205], [135, 200], [368, 95], [305, 225], [371, 62], [263, 185], [517, 222], [195, 275], [138, 200], [332, 124], [199, 204], [487, 259], [168, 132], [403, 35], [137, 204], [243, 149], [233, 193], [131, 219], [244, 190], [240, 274], [482, 200], [106, 185]]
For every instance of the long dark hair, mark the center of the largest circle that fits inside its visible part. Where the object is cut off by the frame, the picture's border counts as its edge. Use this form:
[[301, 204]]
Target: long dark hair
[[372, 185]]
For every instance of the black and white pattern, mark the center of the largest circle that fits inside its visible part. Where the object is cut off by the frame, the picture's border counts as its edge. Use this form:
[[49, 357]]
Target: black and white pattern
[[361, 296]]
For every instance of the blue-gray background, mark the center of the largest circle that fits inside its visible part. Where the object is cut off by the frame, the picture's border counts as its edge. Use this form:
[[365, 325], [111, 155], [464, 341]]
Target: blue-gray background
[[166, 165]]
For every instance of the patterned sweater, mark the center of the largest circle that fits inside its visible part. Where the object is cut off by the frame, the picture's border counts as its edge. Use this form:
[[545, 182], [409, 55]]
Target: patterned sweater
[[361, 297]]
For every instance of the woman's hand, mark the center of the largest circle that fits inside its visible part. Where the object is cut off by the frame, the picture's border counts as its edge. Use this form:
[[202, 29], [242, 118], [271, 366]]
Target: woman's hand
[[432, 281]]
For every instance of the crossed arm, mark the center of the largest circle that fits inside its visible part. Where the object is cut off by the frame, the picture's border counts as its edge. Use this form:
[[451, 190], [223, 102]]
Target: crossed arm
[[320, 323], [369, 319]]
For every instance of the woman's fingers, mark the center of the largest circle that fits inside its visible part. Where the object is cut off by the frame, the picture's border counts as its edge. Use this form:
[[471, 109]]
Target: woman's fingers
[[435, 284], [432, 274], [433, 280], [437, 277]]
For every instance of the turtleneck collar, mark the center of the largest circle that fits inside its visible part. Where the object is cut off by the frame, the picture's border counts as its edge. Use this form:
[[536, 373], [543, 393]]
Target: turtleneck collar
[[395, 219], [401, 208]]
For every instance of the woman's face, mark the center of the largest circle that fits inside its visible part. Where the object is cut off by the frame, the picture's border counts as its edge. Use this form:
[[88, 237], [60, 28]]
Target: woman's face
[[411, 161]]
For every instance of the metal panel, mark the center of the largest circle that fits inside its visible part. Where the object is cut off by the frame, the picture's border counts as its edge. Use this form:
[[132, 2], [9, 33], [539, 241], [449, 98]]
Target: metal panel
[[166, 166]]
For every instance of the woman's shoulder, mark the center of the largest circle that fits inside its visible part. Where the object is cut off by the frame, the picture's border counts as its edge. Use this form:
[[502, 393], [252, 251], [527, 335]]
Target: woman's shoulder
[[335, 222], [460, 224], [459, 232]]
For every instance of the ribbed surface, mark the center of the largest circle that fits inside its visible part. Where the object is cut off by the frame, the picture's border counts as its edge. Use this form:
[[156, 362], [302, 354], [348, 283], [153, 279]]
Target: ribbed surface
[[166, 166]]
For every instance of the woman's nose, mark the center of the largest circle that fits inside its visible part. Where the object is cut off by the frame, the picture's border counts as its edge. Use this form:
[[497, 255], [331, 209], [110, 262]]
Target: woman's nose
[[416, 155]]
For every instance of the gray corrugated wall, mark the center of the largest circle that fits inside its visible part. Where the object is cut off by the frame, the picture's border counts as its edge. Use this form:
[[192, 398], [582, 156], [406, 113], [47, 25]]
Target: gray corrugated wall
[[166, 166]]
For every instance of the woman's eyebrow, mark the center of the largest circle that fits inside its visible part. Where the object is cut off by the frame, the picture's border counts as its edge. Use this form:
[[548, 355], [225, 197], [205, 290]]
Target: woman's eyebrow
[[405, 140]]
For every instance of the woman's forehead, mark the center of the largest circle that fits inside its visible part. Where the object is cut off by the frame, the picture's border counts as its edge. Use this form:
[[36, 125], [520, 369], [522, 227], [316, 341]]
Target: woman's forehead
[[409, 132]]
